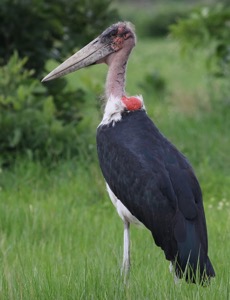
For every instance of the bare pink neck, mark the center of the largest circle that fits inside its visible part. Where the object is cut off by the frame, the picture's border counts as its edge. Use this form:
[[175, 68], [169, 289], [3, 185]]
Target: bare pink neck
[[115, 83]]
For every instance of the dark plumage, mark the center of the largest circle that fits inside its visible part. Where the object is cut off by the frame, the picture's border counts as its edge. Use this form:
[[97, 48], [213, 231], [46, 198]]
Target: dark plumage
[[158, 186]]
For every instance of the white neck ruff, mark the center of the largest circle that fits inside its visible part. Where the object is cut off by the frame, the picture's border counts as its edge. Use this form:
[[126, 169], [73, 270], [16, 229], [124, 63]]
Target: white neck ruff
[[114, 109]]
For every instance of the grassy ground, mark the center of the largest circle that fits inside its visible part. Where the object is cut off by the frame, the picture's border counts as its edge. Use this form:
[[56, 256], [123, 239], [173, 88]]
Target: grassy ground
[[60, 237]]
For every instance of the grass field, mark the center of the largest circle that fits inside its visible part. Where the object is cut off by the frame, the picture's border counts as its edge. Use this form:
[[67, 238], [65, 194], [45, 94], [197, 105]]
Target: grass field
[[60, 237]]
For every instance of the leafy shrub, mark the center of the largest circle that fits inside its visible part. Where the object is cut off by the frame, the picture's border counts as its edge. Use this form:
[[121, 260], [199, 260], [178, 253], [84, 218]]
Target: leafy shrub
[[43, 29], [34, 119], [31, 122], [208, 27]]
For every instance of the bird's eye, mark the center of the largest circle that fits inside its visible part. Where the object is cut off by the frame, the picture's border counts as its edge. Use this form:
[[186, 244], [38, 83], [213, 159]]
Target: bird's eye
[[113, 33], [126, 34]]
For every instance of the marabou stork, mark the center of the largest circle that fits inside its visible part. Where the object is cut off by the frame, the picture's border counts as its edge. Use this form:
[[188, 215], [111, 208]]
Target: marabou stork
[[148, 180]]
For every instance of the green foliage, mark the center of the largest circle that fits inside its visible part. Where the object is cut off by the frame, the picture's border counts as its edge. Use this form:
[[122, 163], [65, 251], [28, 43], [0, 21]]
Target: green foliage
[[153, 83], [32, 122], [41, 29], [43, 121], [158, 25], [208, 27]]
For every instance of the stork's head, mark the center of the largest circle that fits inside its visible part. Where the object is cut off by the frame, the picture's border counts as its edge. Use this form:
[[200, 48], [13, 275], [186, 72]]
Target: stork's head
[[101, 50]]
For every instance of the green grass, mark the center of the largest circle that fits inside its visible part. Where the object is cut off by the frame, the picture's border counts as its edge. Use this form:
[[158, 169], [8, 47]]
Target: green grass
[[61, 238]]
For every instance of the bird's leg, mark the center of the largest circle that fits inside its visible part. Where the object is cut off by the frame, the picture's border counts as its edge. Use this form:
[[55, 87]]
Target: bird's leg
[[172, 271], [126, 253]]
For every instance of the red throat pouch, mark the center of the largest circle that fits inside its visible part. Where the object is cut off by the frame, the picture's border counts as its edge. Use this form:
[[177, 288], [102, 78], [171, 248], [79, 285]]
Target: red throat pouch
[[132, 103]]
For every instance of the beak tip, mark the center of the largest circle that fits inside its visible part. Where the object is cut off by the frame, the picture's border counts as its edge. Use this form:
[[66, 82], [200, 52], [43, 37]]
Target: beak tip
[[46, 78], [89, 55]]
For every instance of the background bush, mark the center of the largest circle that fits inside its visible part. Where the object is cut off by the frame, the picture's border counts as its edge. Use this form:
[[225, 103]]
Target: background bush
[[41, 29], [43, 121], [208, 28], [31, 122]]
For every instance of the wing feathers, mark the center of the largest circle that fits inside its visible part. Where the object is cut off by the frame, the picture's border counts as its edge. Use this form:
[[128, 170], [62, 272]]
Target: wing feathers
[[157, 185]]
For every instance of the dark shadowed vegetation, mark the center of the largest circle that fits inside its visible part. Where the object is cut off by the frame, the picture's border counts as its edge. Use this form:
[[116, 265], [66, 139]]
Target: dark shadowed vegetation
[[34, 119], [41, 30]]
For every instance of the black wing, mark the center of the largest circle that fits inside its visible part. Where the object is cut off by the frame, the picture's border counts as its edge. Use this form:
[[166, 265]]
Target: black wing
[[156, 183]]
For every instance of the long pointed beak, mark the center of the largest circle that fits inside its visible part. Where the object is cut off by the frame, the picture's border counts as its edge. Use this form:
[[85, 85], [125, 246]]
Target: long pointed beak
[[90, 54]]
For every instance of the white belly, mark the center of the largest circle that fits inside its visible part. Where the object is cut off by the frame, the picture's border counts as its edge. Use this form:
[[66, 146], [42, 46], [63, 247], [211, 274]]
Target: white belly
[[123, 212]]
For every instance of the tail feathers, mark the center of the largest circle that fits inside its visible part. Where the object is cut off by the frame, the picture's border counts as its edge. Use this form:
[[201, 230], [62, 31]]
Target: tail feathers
[[192, 261], [199, 272]]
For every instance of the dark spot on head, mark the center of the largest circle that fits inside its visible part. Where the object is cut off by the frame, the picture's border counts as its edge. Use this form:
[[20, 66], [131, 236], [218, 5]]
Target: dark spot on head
[[116, 35], [109, 33], [113, 32]]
